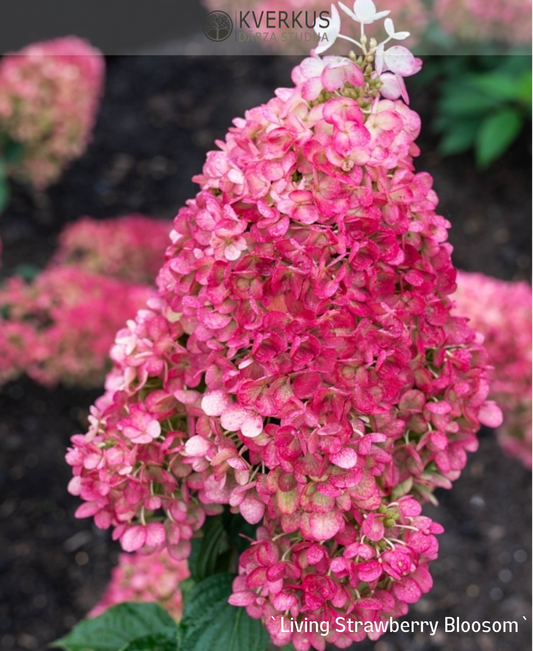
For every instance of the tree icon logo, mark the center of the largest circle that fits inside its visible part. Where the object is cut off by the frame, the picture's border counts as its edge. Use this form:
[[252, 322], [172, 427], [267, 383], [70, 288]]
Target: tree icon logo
[[218, 26]]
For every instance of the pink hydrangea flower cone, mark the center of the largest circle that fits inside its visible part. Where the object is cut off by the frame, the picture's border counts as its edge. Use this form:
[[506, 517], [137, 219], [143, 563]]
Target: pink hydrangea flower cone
[[299, 364]]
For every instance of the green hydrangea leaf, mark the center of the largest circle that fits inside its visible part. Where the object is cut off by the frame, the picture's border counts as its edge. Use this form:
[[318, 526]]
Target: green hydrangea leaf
[[4, 190], [13, 152], [524, 91], [211, 545], [458, 139], [496, 85], [157, 642], [495, 135], [210, 622], [27, 271], [118, 627], [239, 531], [462, 101]]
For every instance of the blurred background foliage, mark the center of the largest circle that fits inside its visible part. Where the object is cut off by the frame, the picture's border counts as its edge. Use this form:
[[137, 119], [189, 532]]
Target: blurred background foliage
[[484, 102]]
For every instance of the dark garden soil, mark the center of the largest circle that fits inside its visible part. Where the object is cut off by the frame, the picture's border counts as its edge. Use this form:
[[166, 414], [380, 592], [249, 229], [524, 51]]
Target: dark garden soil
[[159, 117]]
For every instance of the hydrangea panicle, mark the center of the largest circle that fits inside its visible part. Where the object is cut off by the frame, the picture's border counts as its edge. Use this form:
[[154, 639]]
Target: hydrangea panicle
[[501, 312], [300, 362], [151, 578], [49, 95], [60, 327]]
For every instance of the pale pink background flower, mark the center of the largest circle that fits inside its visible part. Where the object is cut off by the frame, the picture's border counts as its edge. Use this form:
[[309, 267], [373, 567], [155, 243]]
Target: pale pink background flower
[[49, 96], [61, 326], [501, 312], [146, 578]]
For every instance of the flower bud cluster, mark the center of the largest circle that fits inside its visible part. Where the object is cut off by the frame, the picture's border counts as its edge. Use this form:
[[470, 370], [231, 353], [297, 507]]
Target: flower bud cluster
[[300, 362], [153, 578], [501, 312], [49, 95]]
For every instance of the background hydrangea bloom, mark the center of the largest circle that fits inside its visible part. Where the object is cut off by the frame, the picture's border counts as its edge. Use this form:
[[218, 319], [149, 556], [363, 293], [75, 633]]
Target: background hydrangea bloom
[[152, 578], [65, 320], [501, 312], [128, 248], [49, 95], [60, 327], [497, 20]]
